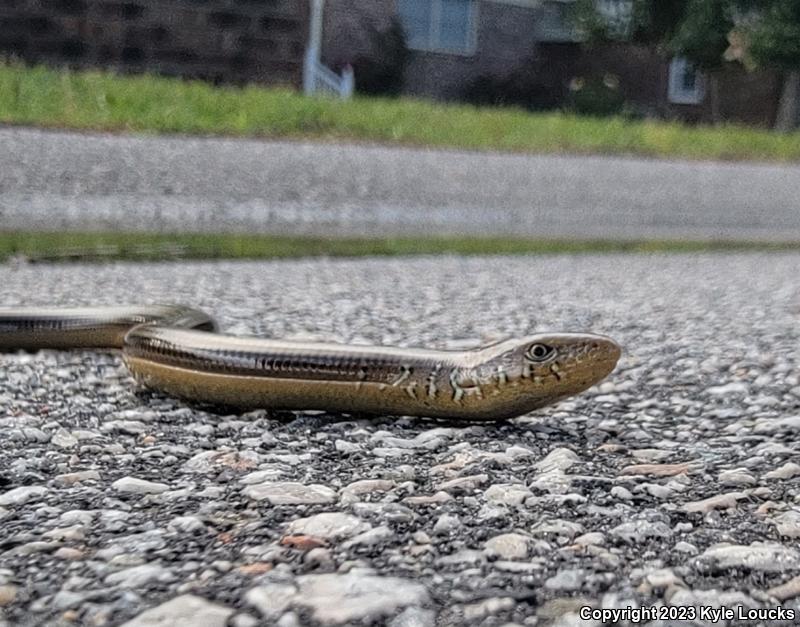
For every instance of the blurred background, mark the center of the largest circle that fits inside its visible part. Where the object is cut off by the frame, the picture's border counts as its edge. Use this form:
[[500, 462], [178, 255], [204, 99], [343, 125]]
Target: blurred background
[[533, 122]]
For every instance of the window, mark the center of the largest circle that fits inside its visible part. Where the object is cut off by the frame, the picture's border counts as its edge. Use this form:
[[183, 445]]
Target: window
[[618, 15], [686, 84], [440, 25], [554, 21]]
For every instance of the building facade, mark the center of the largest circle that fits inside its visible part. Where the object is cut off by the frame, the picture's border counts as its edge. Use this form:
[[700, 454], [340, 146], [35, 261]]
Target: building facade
[[459, 46], [452, 42]]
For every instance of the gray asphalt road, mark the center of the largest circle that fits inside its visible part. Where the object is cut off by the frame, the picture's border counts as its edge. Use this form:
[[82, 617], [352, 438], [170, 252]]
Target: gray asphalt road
[[74, 181], [673, 484]]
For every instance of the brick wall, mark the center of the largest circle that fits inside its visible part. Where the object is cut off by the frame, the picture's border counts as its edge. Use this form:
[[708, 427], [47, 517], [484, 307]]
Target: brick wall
[[747, 97], [219, 40]]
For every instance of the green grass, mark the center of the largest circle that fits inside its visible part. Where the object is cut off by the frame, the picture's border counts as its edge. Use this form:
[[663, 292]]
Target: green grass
[[143, 246], [106, 101]]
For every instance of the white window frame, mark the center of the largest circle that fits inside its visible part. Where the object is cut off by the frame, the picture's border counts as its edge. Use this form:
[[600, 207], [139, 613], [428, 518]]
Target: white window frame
[[433, 31], [676, 92]]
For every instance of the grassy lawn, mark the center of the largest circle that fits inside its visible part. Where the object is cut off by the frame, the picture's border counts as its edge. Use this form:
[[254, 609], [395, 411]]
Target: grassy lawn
[[143, 246], [105, 101]]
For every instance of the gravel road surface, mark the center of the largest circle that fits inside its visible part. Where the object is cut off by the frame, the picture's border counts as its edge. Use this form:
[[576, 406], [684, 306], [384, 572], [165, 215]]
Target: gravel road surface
[[54, 180], [673, 484]]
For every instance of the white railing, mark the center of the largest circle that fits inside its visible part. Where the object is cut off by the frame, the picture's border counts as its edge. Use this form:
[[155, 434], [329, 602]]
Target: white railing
[[318, 78]]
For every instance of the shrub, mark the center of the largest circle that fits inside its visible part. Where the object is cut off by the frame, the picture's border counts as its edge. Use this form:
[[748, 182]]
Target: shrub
[[597, 97], [381, 73], [521, 88]]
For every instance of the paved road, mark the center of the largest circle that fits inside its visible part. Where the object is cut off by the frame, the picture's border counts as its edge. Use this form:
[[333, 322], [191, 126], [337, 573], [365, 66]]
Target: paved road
[[675, 482], [76, 181]]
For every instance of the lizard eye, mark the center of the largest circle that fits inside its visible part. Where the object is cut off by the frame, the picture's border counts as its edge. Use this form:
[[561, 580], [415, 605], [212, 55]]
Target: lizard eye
[[539, 352]]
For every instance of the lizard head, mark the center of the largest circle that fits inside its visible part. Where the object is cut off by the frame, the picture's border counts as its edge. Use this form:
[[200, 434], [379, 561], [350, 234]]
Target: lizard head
[[517, 376]]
